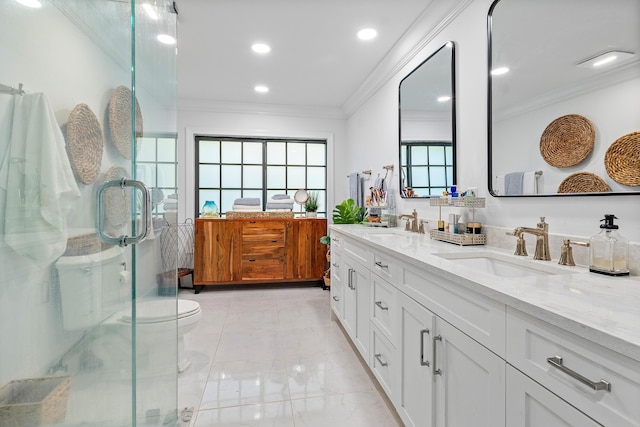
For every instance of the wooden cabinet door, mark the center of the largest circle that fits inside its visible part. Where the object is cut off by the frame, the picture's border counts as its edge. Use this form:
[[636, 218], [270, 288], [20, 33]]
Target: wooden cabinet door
[[415, 345], [531, 405], [470, 381], [310, 253], [216, 252]]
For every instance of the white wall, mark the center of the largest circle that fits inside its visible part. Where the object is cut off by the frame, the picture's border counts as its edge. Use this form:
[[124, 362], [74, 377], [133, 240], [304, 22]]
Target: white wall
[[373, 139], [207, 121]]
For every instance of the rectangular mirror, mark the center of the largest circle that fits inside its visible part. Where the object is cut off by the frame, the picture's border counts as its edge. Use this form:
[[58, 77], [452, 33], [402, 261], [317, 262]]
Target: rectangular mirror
[[564, 97], [427, 126]]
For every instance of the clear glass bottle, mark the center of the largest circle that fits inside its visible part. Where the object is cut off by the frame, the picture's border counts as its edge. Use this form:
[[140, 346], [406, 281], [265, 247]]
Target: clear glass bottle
[[609, 252]]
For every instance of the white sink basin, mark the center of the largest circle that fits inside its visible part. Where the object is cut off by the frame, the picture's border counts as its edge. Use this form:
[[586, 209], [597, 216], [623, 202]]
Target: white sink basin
[[504, 265]]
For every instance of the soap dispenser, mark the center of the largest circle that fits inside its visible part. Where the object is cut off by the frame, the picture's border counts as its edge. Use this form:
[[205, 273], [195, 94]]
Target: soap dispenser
[[609, 253]]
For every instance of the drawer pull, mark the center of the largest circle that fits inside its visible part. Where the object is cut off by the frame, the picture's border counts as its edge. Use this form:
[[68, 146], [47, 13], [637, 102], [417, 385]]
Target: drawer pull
[[422, 361], [335, 239], [335, 298], [380, 361], [382, 306], [435, 370], [381, 265], [336, 265], [556, 362]]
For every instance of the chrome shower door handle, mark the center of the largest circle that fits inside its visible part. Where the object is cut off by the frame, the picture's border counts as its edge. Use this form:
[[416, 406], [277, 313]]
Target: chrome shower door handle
[[124, 240]]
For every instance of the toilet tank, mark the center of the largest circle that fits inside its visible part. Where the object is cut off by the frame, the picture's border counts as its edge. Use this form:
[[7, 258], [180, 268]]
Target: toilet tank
[[84, 282]]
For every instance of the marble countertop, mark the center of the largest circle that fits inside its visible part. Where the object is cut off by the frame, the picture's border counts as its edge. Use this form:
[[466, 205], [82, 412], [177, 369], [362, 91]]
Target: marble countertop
[[602, 309]]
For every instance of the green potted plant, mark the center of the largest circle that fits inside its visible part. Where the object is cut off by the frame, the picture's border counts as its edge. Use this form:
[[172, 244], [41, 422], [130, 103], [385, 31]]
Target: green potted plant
[[311, 205], [326, 240], [348, 212]]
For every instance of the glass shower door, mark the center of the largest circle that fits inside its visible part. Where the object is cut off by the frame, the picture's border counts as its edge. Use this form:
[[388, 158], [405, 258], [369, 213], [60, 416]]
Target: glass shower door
[[86, 337]]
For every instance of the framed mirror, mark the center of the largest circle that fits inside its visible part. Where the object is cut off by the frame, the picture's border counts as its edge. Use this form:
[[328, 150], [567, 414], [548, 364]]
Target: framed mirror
[[427, 135], [564, 97]]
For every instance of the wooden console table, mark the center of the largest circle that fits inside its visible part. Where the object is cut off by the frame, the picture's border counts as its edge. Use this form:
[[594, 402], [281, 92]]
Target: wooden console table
[[258, 250]]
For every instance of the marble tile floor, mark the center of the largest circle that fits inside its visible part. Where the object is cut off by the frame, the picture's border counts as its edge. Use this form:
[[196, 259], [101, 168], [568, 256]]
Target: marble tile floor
[[272, 356]]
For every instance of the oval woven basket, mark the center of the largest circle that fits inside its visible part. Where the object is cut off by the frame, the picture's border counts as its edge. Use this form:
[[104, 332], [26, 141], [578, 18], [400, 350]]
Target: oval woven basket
[[84, 143], [583, 182], [120, 120], [567, 140], [622, 160]]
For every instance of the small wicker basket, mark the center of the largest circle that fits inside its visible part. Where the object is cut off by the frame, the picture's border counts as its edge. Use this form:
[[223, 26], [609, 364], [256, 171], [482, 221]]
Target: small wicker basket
[[34, 401], [567, 140]]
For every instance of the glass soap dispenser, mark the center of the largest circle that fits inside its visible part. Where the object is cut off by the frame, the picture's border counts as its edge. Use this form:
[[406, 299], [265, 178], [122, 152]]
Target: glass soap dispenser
[[609, 252]]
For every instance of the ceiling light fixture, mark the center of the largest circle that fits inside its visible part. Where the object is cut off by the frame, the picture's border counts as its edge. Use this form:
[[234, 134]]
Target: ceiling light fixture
[[499, 71], [444, 98], [367, 34], [30, 3], [261, 89], [151, 11], [166, 39], [261, 48], [607, 58]]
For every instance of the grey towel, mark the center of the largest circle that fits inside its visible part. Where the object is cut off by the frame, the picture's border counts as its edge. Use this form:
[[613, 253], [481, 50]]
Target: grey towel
[[513, 183], [279, 205], [356, 188], [280, 196], [247, 201]]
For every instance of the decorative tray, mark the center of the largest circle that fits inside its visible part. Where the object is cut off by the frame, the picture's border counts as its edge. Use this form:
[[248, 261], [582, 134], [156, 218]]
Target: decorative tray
[[460, 202], [465, 239]]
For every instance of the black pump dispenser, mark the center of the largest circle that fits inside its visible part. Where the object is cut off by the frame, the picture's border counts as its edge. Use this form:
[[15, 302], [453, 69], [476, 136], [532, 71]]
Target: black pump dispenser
[[608, 222]]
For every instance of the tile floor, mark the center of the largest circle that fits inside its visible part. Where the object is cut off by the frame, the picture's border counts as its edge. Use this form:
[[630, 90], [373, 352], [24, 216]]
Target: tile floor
[[272, 356]]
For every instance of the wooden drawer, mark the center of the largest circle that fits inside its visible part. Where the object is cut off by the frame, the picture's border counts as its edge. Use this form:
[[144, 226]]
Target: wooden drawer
[[385, 306], [482, 318], [532, 347], [263, 231], [263, 250], [266, 269], [383, 362]]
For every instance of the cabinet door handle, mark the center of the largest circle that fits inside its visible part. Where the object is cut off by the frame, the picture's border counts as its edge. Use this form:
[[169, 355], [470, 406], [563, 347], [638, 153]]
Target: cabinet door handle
[[435, 370], [422, 361], [381, 265], [380, 360], [556, 362], [350, 282], [335, 298], [382, 306]]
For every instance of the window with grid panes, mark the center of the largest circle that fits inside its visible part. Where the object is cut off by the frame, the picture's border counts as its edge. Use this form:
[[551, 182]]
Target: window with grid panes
[[230, 168], [157, 166], [431, 166]]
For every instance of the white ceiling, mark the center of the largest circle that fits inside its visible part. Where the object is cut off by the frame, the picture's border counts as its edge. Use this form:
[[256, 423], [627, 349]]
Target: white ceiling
[[316, 58]]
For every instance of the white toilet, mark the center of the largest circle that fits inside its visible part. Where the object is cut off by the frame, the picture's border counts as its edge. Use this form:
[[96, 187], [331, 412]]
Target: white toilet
[[90, 289]]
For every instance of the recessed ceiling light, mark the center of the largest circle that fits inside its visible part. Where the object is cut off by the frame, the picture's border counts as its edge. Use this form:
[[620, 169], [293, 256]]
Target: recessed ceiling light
[[166, 39], [261, 89], [444, 98], [151, 11], [367, 34], [261, 48], [499, 71], [606, 58], [30, 3]]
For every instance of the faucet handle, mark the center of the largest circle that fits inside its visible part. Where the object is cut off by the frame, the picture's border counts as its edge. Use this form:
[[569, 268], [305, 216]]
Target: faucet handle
[[521, 246], [566, 256]]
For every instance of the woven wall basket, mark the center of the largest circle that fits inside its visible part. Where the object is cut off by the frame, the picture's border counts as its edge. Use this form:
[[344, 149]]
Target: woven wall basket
[[120, 120], [567, 140], [84, 143], [116, 200], [583, 182], [622, 160]]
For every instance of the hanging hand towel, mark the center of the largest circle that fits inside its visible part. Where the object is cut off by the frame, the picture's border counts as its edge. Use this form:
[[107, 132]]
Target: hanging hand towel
[[530, 183], [39, 183], [513, 183]]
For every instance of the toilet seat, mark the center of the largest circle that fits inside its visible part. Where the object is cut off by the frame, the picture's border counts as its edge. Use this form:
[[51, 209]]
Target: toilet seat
[[162, 310]]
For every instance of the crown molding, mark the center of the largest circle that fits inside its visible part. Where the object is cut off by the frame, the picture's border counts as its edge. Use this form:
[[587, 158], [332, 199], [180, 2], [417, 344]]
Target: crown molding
[[191, 104]]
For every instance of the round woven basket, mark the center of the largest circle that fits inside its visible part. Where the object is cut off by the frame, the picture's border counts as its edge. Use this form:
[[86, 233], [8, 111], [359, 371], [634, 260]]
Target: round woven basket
[[622, 160], [583, 182], [120, 120], [84, 143], [567, 140], [116, 201]]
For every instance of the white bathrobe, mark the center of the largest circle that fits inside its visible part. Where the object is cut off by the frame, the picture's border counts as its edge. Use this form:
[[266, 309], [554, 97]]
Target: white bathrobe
[[38, 180]]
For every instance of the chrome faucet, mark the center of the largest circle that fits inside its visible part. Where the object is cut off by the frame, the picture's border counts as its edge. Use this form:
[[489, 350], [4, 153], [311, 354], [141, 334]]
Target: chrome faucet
[[542, 240], [412, 222]]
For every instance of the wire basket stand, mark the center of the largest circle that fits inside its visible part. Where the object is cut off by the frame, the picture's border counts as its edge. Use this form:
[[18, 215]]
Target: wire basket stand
[[176, 249]]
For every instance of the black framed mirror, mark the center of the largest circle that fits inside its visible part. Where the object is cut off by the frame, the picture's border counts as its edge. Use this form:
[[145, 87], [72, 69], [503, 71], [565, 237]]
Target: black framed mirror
[[564, 97], [427, 126]]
